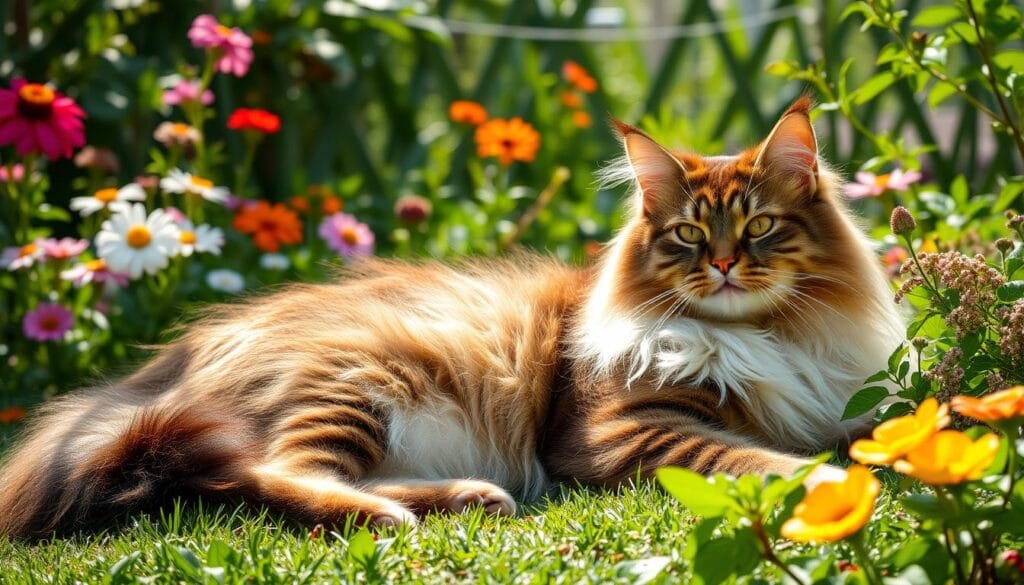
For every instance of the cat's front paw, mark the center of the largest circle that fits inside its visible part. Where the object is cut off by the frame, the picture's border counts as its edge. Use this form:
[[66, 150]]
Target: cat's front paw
[[468, 493], [393, 517], [824, 473]]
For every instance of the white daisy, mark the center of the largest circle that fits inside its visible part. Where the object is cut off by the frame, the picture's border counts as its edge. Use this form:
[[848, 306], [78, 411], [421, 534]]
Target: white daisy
[[225, 280], [178, 181], [274, 262], [103, 198], [205, 238], [134, 243], [25, 256]]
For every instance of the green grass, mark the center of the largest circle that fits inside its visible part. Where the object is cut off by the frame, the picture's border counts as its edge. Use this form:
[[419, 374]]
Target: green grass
[[575, 536]]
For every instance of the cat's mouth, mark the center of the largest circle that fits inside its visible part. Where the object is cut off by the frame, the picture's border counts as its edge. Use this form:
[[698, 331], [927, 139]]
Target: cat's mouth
[[729, 288]]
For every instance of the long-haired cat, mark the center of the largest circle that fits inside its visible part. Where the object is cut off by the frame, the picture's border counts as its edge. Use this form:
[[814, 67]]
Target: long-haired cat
[[725, 327]]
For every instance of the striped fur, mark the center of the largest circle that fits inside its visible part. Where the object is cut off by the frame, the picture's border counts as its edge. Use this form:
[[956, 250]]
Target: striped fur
[[404, 389]]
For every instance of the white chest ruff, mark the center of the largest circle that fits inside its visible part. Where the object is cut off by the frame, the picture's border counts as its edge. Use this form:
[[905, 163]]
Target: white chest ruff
[[795, 391]]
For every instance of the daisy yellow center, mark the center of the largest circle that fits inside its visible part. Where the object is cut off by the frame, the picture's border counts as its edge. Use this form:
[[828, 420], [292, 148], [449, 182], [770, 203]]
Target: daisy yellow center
[[882, 180], [35, 101], [349, 235], [106, 195], [95, 265], [223, 31], [188, 237], [200, 183], [28, 250], [138, 236], [180, 129]]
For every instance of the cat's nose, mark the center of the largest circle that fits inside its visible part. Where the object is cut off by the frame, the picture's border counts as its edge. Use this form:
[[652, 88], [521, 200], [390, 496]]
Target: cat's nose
[[723, 264]]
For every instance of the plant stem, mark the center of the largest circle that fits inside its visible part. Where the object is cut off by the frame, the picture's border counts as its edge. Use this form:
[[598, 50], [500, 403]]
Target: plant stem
[[559, 178], [861, 552], [769, 553]]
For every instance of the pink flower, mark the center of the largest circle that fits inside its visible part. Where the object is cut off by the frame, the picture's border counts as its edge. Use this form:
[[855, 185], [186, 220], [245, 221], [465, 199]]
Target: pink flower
[[94, 271], [187, 92], [232, 47], [37, 119], [16, 173], [346, 236], [64, 248], [48, 322], [872, 185]]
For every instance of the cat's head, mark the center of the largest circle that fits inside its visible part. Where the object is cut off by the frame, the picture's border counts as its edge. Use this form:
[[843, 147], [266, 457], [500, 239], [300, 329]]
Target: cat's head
[[736, 237]]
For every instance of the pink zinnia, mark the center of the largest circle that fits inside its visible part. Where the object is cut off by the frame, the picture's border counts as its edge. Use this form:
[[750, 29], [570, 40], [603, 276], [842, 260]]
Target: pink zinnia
[[14, 174], [64, 248], [872, 185], [232, 46], [187, 92], [48, 322], [94, 271], [346, 236], [37, 119]]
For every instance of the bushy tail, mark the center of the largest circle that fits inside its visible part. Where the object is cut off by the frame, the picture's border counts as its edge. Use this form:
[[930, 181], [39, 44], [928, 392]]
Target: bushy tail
[[92, 456]]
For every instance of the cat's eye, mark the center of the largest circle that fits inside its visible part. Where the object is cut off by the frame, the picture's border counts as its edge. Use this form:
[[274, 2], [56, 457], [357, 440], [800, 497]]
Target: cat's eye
[[759, 226], [690, 234]]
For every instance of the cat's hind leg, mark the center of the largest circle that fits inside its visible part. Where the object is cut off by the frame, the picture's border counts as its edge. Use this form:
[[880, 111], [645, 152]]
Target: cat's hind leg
[[456, 495]]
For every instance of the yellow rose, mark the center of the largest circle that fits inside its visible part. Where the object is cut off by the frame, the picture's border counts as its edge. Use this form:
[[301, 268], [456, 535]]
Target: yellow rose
[[949, 457], [834, 510], [897, 437], [997, 406]]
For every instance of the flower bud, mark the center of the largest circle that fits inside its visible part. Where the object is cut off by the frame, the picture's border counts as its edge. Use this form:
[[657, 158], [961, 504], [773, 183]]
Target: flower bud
[[919, 342], [919, 39], [901, 222], [413, 209], [1004, 245]]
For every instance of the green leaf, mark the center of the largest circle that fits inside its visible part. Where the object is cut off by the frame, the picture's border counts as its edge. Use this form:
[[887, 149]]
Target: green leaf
[[936, 16], [361, 548], [893, 410], [959, 190], [1011, 291], [864, 400], [872, 87], [964, 31], [940, 92], [927, 506], [721, 558], [695, 491], [1012, 59], [1014, 260], [940, 204], [1008, 195], [927, 553], [782, 68], [643, 570], [879, 376]]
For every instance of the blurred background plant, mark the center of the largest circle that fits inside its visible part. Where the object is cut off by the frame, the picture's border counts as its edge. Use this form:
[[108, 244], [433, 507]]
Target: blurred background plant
[[280, 137]]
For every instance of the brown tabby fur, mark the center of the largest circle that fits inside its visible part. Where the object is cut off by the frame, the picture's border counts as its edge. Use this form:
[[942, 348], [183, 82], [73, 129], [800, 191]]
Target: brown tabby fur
[[299, 399]]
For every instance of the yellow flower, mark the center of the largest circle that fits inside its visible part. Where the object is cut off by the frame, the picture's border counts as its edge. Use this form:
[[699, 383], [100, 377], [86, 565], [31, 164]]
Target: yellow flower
[[949, 457], [897, 437], [997, 406], [834, 510]]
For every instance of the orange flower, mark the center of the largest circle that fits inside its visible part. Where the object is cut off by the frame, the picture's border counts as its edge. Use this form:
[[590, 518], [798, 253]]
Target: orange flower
[[832, 511], [578, 76], [571, 99], [949, 457], [997, 406], [508, 140], [467, 112], [896, 437], [12, 414], [331, 205], [299, 203], [270, 225], [581, 119]]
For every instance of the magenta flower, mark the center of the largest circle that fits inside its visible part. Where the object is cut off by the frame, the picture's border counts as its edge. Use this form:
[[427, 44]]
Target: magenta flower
[[48, 322], [16, 173], [187, 92], [346, 236], [231, 46], [37, 119], [94, 271], [64, 248], [872, 185]]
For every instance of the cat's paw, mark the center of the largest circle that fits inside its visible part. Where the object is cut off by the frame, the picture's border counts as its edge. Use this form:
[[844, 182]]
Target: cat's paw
[[392, 516], [824, 474], [467, 493]]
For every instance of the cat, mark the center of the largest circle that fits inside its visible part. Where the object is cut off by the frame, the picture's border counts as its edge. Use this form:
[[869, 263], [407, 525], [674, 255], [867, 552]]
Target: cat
[[723, 330]]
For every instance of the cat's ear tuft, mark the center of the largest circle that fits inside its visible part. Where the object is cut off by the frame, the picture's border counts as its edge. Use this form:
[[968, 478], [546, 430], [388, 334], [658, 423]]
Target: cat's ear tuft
[[659, 174], [790, 153]]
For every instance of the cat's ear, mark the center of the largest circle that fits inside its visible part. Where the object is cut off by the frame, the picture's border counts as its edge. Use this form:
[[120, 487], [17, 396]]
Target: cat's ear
[[660, 175], [790, 153]]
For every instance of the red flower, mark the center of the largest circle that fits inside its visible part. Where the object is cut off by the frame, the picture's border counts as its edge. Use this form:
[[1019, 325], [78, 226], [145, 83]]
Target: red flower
[[248, 120], [37, 119]]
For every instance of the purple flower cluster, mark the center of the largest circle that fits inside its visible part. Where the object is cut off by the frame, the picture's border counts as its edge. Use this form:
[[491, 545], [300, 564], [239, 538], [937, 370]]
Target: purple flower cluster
[[972, 278], [1011, 335]]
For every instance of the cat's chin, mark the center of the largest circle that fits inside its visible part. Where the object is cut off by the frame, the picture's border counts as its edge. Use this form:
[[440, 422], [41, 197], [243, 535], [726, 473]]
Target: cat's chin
[[733, 303]]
